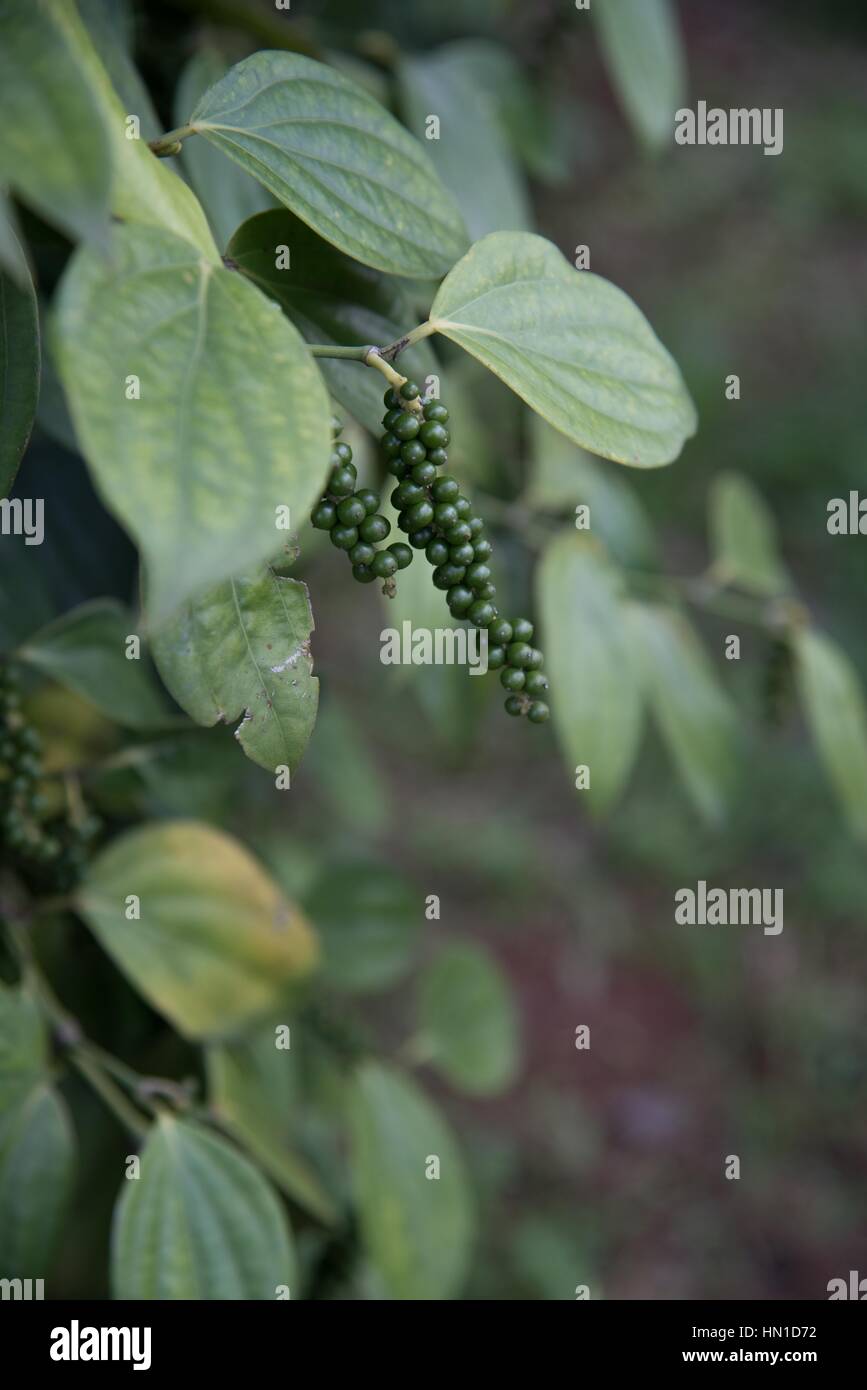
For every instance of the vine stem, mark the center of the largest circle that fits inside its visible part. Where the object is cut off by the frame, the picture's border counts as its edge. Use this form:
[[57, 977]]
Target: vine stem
[[371, 356]]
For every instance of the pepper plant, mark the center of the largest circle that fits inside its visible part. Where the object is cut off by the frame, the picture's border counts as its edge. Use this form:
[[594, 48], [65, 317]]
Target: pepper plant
[[289, 266]]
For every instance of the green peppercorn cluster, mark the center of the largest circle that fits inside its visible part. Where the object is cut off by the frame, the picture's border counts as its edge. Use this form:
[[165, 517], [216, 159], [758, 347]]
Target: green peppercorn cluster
[[353, 520], [50, 852], [436, 518]]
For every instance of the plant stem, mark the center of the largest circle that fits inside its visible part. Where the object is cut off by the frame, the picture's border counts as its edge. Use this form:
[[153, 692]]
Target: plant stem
[[170, 143], [112, 1095], [424, 330], [371, 357], [355, 354]]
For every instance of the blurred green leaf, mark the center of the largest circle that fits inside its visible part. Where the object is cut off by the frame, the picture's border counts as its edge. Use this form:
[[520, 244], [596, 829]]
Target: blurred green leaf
[[232, 419], [469, 152], [242, 651], [199, 1223], [367, 919], [565, 476], [836, 714], [226, 192], [252, 1087], [572, 345], [19, 366], [346, 774], [744, 538], [329, 152], [216, 944], [331, 299], [467, 1020], [37, 1157], [85, 650], [23, 1045], [540, 141], [693, 712], [643, 52], [109, 24], [596, 689], [55, 149], [417, 1230]]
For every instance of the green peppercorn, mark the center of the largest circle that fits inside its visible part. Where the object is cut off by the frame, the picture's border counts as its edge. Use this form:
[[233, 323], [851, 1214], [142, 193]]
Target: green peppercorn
[[511, 678], [363, 574], [438, 457], [390, 416], [445, 515], [536, 683], [482, 548], [446, 489], [384, 565], [369, 498], [420, 539], [522, 630], [501, 632], [374, 529], [447, 575], [341, 483], [433, 435], [343, 453], [458, 534], [477, 575], [519, 654], [390, 445], [420, 515], [514, 705], [406, 494], [424, 474], [407, 426], [476, 526], [401, 553], [437, 552], [324, 515], [409, 390], [344, 537], [351, 511], [461, 554], [362, 553], [391, 399], [482, 613], [538, 712], [413, 452], [464, 508], [459, 598], [496, 657], [435, 410]]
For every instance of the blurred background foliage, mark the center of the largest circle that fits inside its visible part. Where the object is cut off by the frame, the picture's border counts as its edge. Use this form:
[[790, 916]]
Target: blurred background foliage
[[601, 1167]]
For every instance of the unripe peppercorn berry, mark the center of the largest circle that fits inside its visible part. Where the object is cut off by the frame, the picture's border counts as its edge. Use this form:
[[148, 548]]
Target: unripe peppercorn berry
[[419, 539], [324, 515], [538, 712], [363, 574], [448, 575], [446, 489], [437, 552], [496, 657], [477, 575], [522, 630], [351, 511], [391, 399], [341, 483], [536, 683], [445, 515], [420, 515], [389, 418], [438, 457], [433, 435], [343, 452], [391, 445], [464, 508], [401, 553], [514, 705], [344, 537], [424, 474], [369, 500], [501, 632], [519, 654], [435, 410], [362, 553], [459, 598], [482, 549], [413, 452], [409, 390], [384, 565], [406, 493], [511, 678], [407, 426], [374, 529], [482, 613], [461, 554]]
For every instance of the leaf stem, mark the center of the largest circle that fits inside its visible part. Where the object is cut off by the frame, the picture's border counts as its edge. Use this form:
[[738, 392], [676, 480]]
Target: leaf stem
[[171, 143], [424, 330]]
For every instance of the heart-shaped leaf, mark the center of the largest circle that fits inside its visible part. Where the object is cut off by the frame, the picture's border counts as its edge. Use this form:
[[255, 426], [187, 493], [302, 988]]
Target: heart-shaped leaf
[[197, 926], [199, 1222], [691, 708], [414, 1205], [469, 1028], [573, 346], [595, 682], [197, 406], [55, 146], [19, 366], [331, 153], [242, 651], [85, 650], [331, 299], [837, 715]]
